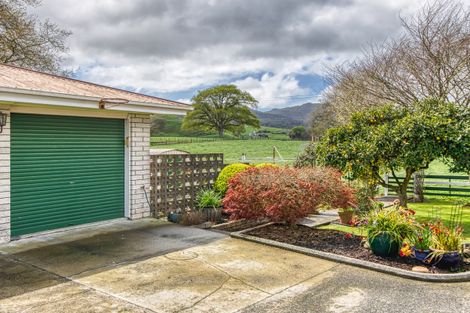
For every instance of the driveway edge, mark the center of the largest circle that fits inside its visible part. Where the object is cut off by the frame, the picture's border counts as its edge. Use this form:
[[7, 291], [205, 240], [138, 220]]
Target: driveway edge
[[436, 278]]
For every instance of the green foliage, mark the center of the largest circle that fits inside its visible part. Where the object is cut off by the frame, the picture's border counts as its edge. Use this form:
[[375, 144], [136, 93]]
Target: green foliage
[[422, 239], [208, 198], [390, 139], [392, 222], [221, 108], [299, 133], [221, 183], [365, 194], [308, 157]]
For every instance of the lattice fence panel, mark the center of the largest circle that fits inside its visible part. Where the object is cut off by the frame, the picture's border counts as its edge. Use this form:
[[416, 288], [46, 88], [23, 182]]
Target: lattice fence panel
[[176, 179]]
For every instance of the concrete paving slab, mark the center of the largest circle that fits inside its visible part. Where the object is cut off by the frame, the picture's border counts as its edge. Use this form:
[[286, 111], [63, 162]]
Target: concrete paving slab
[[76, 233], [67, 298], [17, 278], [267, 269], [102, 250], [323, 218], [173, 284]]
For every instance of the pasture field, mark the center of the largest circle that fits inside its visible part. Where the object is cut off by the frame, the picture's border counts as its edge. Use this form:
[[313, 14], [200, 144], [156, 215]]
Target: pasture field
[[257, 151]]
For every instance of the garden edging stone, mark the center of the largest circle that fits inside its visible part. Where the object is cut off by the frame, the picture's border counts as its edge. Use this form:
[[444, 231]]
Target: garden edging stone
[[438, 278]]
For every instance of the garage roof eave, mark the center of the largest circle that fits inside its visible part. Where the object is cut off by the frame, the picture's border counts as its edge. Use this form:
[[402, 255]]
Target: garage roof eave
[[25, 96]]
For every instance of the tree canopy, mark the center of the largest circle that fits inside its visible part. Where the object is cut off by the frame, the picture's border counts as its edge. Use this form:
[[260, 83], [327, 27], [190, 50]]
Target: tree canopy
[[221, 108], [28, 42], [298, 132], [393, 139]]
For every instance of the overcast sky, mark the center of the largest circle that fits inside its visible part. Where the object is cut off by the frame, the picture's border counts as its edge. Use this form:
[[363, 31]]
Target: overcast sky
[[276, 50]]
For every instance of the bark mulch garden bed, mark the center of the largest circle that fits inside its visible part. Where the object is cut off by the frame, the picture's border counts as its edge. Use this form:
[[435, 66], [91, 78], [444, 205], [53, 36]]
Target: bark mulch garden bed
[[334, 241]]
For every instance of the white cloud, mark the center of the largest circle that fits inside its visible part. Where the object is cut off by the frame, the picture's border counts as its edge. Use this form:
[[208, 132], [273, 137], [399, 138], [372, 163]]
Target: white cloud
[[170, 46], [274, 90]]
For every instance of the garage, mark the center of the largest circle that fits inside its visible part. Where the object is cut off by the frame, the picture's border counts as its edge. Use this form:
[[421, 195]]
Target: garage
[[72, 152], [65, 171]]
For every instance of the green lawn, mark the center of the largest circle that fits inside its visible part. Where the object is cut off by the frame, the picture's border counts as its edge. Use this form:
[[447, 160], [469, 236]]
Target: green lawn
[[441, 207], [257, 151], [431, 208]]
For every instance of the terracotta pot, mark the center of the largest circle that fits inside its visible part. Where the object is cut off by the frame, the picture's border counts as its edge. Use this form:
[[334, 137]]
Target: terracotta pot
[[346, 217]]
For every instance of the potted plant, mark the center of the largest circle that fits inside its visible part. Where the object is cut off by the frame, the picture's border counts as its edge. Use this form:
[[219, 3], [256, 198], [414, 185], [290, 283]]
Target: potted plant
[[346, 215], [210, 203], [420, 243], [386, 230], [174, 216], [446, 245]]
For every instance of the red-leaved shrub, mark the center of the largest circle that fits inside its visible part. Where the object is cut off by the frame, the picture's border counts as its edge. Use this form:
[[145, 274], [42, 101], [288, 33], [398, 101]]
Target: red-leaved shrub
[[285, 194]]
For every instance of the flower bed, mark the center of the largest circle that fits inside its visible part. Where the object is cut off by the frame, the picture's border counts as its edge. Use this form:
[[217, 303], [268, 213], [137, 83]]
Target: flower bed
[[336, 242]]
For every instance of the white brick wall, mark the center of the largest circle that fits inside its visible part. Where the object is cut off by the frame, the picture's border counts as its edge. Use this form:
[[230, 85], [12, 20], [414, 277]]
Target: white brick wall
[[139, 157], [5, 181]]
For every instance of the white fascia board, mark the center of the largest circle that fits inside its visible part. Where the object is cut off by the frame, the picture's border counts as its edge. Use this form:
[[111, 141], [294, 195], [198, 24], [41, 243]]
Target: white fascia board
[[23, 96]]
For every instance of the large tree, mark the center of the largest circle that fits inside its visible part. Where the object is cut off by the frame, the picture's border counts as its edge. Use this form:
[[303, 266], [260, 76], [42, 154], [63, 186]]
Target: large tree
[[396, 139], [221, 108], [430, 59], [27, 41]]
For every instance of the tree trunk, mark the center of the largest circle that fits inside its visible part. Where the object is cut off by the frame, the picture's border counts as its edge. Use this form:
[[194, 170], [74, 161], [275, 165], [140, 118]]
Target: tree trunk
[[403, 198], [221, 133], [402, 191]]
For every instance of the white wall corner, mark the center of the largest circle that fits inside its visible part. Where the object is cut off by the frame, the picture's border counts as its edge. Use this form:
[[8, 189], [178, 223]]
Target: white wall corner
[[5, 179]]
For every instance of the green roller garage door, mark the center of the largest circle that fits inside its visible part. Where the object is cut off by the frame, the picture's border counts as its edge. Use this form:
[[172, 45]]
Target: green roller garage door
[[65, 171]]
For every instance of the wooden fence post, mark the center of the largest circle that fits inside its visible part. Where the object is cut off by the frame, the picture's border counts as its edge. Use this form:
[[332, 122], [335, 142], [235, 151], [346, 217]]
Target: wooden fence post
[[386, 188], [418, 184]]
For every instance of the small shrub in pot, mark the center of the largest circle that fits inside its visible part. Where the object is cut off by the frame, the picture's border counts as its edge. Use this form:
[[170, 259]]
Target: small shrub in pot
[[420, 243], [346, 215], [210, 202], [446, 246], [386, 230]]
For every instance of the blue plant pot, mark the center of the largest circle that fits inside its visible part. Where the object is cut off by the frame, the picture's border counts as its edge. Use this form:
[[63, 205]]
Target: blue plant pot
[[448, 260], [421, 255], [174, 217]]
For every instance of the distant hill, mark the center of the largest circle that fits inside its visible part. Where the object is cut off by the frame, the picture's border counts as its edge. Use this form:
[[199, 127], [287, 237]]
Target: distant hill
[[287, 117]]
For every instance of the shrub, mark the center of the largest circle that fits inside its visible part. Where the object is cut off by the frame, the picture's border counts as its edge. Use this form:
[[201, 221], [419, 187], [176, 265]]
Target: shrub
[[221, 183], [308, 157], [285, 194], [208, 198], [365, 194]]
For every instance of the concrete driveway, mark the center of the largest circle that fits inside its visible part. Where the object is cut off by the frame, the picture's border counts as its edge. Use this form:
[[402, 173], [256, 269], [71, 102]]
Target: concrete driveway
[[147, 266]]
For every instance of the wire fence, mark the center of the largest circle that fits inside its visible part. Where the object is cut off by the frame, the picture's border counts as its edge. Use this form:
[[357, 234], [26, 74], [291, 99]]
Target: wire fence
[[156, 141]]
